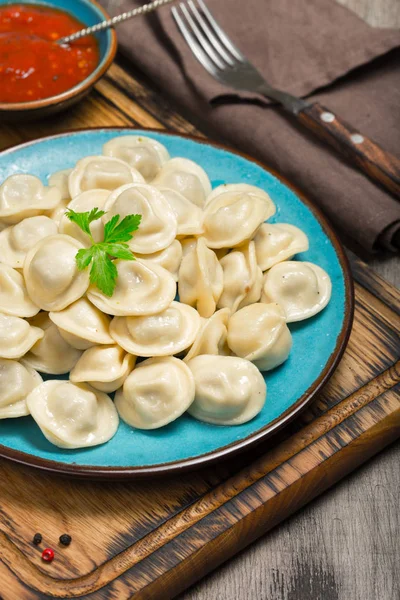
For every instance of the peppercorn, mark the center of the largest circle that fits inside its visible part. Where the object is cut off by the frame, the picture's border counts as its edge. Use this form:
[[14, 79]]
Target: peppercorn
[[47, 554], [65, 539], [37, 539]]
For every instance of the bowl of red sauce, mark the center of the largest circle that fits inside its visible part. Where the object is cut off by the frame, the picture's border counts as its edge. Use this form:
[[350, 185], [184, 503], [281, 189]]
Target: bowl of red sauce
[[38, 76]]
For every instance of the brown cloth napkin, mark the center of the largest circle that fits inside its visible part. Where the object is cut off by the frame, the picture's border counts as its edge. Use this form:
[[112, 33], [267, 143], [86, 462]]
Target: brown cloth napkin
[[301, 47]]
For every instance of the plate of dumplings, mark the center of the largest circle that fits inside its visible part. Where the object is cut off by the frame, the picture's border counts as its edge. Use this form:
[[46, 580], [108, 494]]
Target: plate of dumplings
[[234, 312]]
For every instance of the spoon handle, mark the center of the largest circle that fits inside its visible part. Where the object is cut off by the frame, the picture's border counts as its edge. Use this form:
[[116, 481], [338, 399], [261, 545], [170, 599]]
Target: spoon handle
[[141, 10]]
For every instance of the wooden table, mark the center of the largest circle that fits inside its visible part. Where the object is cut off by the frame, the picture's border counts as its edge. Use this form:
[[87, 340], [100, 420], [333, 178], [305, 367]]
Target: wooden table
[[344, 546]]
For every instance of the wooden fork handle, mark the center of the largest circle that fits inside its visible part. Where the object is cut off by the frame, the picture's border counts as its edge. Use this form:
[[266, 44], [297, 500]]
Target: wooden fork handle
[[379, 165]]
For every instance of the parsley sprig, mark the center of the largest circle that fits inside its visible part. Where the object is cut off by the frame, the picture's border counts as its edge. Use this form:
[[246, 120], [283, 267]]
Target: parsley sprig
[[103, 272]]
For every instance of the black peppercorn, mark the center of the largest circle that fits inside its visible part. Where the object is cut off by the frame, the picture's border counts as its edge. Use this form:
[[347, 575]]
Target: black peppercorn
[[65, 539], [37, 539]]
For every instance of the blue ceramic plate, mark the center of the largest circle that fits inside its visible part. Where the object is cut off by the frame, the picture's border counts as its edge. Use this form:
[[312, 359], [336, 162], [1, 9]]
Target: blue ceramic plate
[[317, 342]]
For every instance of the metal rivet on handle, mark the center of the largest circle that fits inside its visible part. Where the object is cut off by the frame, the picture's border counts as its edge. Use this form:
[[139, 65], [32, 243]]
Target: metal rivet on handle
[[356, 138], [328, 117]]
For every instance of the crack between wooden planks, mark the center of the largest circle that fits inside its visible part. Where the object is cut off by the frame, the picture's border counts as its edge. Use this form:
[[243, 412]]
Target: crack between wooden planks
[[381, 289], [133, 124]]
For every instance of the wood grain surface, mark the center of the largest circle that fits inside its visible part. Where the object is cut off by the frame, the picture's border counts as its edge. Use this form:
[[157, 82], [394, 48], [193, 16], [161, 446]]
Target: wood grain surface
[[151, 540]]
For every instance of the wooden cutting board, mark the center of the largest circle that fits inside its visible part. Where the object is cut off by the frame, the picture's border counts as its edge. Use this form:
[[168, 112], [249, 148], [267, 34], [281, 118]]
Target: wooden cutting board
[[152, 539]]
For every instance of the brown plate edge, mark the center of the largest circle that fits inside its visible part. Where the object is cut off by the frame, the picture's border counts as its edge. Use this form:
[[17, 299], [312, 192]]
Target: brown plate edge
[[129, 473]]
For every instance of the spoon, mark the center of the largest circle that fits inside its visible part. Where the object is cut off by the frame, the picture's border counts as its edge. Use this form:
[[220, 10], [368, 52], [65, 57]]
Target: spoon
[[141, 10]]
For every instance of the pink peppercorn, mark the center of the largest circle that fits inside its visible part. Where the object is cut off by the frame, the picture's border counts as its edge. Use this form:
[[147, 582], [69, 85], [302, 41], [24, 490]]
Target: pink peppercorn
[[47, 554]]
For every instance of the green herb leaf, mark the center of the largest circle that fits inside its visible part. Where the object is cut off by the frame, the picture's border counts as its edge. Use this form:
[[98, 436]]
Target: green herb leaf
[[95, 214], [121, 251], [103, 272], [83, 258], [115, 232], [110, 226], [83, 219]]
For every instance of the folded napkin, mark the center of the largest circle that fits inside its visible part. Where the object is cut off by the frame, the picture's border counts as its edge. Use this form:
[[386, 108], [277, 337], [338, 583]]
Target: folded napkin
[[313, 48]]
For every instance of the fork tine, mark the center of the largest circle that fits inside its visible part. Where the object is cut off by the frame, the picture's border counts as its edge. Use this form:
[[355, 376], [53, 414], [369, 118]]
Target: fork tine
[[210, 35], [193, 44], [221, 33], [200, 38]]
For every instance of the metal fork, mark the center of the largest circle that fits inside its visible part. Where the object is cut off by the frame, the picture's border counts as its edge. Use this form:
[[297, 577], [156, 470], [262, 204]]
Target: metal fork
[[226, 63]]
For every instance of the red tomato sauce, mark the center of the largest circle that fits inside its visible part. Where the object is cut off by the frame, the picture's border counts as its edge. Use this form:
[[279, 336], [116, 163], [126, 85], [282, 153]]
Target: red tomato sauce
[[32, 65]]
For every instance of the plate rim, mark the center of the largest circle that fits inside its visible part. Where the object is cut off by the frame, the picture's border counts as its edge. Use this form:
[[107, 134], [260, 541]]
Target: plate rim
[[95, 472]]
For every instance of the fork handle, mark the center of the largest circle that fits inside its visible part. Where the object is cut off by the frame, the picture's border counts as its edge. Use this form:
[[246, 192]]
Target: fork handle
[[379, 165]]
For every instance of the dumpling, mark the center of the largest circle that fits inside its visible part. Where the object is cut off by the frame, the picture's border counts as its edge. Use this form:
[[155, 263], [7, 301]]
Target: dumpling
[[83, 325], [17, 336], [14, 298], [51, 354], [233, 214], [101, 172], [188, 244], [51, 274], [229, 390], [278, 242], [103, 367], [187, 178], [189, 216], [73, 416], [142, 289], [84, 203], [242, 278], [57, 214], [211, 338], [169, 332], [16, 382], [17, 240], [200, 281], [170, 258], [23, 196], [158, 391], [144, 154], [59, 179], [259, 333], [158, 225], [301, 288]]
